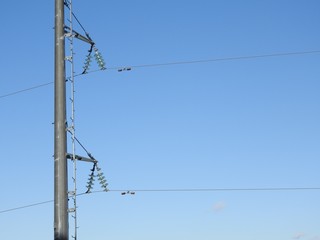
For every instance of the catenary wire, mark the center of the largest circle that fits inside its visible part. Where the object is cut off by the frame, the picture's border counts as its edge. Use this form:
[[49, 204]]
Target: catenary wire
[[175, 63], [177, 190]]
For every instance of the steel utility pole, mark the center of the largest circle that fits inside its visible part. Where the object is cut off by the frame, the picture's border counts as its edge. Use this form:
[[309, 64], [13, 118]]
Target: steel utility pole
[[61, 225]]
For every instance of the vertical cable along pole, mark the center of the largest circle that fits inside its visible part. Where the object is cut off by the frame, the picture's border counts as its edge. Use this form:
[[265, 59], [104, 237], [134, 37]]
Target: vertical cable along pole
[[61, 225]]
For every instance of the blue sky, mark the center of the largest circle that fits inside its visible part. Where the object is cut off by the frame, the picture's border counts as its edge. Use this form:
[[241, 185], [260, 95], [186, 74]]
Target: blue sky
[[250, 123]]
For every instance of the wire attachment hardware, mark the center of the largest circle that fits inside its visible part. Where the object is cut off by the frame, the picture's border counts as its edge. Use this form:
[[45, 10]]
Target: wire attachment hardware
[[128, 192], [124, 69]]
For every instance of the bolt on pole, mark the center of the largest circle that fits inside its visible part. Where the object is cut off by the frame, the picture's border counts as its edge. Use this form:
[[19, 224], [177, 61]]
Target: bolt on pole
[[61, 225]]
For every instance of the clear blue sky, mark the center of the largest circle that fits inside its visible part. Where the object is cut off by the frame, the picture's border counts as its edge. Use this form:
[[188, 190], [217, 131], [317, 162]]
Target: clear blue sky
[[251, 123]]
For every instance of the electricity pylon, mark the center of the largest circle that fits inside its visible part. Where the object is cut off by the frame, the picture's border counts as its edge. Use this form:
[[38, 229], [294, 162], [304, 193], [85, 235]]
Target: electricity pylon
[[61, 193]]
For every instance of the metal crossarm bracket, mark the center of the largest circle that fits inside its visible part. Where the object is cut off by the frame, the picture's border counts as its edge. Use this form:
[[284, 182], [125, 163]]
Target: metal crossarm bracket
[[78, 35], [80, 158]]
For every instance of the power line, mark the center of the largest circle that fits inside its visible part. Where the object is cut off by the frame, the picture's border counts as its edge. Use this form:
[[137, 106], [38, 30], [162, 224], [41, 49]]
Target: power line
[[281, 189], [217, 189], [175, 63], [25, 206], [224, 59], [26, 89]]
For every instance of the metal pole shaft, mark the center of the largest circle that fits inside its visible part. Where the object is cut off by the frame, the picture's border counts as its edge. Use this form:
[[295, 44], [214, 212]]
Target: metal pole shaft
[[61, 225]]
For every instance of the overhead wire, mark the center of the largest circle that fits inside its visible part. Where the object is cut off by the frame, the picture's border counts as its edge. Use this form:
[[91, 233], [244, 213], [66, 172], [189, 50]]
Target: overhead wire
[[177, 190], [223, 59], [25, 206], [217, 189], [26, 89], [173, 63]]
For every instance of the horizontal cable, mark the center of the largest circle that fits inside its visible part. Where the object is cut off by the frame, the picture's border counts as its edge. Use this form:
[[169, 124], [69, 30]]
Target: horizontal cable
[[215, 189], [175, 63], [176, 190], [222, 59], [25, 206], [26, 89]]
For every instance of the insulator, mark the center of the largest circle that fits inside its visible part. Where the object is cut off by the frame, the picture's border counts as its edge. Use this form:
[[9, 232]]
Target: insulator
[[91, 179], [103, 182], [88, 58], [102, 179], [87, 62], [90, 182], [99, 59]]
